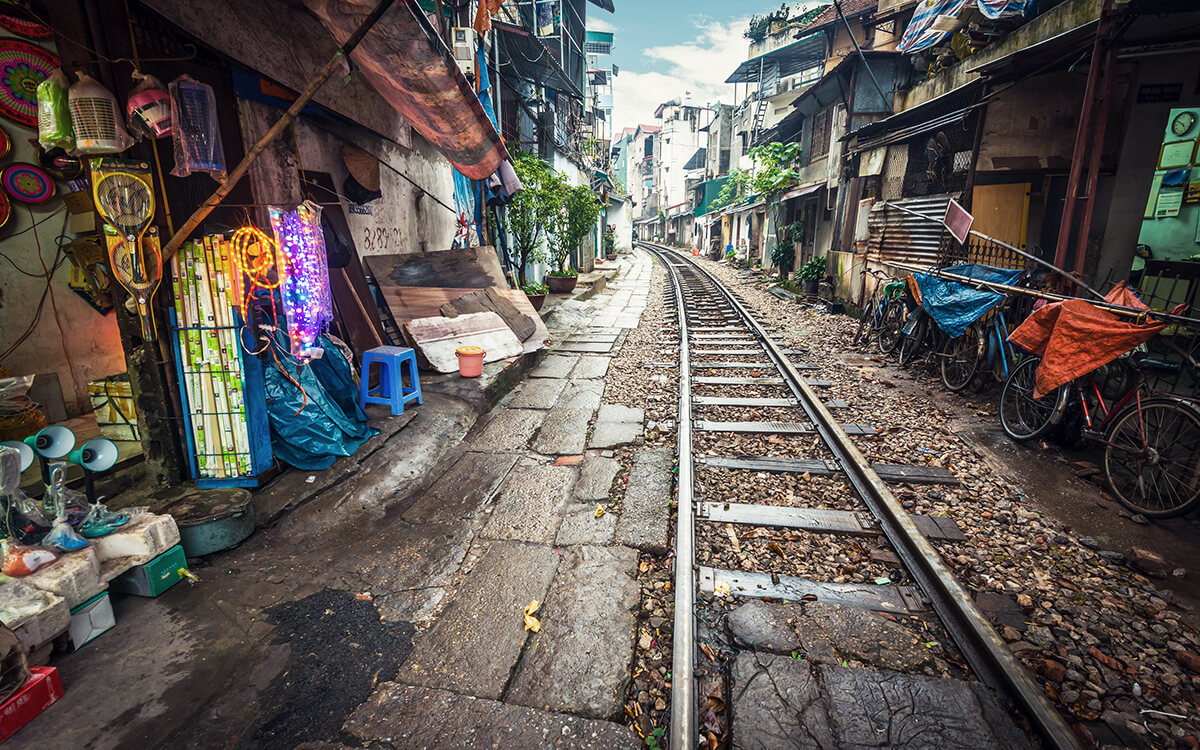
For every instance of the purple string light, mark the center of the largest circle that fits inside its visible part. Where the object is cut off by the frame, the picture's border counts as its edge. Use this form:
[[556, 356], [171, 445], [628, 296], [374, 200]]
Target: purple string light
[[304, 271]]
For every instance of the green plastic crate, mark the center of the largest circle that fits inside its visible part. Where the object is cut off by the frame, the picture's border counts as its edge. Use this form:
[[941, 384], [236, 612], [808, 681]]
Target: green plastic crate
[[154, 577]]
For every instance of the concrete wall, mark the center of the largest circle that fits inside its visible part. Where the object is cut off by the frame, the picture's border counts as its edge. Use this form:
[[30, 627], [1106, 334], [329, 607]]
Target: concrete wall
[[1032, 125], [621, 215], [404, 220], [88, 346]]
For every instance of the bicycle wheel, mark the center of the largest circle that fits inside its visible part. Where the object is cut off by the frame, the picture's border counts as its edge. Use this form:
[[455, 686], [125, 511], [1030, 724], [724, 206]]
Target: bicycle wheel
[[867, 322], [891, 326], [960, 358], [1152, 457], [912, 343], [1021, 416]]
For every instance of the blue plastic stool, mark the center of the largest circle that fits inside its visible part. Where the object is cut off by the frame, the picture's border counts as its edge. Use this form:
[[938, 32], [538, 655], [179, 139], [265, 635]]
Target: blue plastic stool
[[391, 391]]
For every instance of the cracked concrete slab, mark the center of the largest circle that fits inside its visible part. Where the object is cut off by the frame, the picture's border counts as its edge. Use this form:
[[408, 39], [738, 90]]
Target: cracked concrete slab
[[414, 717], [580, 526], [590, 368], [596, 475], [564, 432], [465, 487], [581, 660], [477, 639], [582, 394], [527, 508], [538, 393], [555, 366], [611, 434], [646, 509], [510, 430]]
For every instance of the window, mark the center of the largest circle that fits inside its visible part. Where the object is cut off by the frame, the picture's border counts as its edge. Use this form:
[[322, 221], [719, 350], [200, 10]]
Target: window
[[649, 148], [597, 48], [819, 143]]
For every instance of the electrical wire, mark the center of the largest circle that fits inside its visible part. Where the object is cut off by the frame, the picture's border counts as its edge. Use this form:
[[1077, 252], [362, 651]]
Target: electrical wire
[[62, 336], [59, 258]]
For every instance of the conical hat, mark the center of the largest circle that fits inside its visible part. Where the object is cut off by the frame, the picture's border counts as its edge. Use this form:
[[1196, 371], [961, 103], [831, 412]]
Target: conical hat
[[363, 167]]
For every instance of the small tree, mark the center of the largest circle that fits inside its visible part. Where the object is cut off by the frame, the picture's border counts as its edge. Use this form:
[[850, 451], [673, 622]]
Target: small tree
[[578, 210], [532, 209]]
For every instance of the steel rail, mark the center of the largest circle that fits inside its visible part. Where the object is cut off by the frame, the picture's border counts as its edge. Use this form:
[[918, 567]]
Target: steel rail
[[987, 654]]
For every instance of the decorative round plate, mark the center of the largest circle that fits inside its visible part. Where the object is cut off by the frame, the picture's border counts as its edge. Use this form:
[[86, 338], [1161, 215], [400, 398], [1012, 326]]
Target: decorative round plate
[[22, 67], [27, 183], [5, 144], [5, 209], [24, 27]]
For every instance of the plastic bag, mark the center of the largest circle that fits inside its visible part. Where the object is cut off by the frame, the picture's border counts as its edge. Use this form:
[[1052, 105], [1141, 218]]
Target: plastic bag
[[54, 113], [63, 538], [100, 521], [21, 561], [195, 131], [149, 108], [96, 117]]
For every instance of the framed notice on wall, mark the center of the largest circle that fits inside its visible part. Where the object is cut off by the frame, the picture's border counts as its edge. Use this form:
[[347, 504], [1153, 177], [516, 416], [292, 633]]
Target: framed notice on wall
[[1176, 154]]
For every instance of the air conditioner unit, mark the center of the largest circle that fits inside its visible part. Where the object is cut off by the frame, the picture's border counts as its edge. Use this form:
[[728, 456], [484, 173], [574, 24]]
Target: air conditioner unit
[[464, 48]]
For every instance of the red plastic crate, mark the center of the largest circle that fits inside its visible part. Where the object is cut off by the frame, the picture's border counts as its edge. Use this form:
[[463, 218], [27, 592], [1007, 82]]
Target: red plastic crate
[[38, 693]]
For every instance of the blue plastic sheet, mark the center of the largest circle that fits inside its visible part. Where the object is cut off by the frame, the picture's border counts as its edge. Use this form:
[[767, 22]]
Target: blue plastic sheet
[[331, 424], [953, 305]]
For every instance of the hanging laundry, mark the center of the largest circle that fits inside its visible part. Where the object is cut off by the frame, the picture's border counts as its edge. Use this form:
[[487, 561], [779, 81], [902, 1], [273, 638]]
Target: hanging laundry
[[483, 16], [928, 25], [1002, 8]]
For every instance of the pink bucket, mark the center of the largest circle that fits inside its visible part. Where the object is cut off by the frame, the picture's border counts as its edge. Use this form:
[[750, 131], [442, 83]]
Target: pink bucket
[[470, 361]]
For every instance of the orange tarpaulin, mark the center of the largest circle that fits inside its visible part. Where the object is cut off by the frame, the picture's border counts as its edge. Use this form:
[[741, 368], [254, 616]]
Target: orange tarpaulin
[[1074, 337]]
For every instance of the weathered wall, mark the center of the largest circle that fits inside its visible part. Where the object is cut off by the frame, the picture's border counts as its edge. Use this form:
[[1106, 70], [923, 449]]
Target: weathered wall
[[1032, 125], [87, 339], [404, 220]]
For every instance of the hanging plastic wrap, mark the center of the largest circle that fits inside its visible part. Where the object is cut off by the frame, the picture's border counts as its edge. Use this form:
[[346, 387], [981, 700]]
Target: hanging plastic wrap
[[195, 131], [304, 276], [96, 117], [149, 107], [54, 113]]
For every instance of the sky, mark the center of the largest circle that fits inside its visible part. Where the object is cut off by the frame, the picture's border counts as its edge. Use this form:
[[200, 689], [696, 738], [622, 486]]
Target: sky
[[666, 48]]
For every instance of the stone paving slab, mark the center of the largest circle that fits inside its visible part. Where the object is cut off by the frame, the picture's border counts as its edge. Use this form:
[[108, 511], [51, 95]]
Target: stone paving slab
[[596, 475], [580, 526], [554, 366], [582, 394], [527, 508], [781, 702], [580, 662], [510, 429], [585, 347], [590, 368], [402, 716], [478, 637], [564, 432], [538, 393], [646, 509], [463, 489], [616, 425]]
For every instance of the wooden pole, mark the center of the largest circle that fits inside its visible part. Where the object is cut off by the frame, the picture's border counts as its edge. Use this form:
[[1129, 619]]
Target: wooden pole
[[243, 166]]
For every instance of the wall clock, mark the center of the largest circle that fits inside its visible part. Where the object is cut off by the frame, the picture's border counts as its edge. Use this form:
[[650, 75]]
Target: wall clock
[[1183, 123]]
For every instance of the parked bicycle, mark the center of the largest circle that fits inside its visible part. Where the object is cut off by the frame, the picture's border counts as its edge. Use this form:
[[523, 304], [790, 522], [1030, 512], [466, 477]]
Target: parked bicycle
[[883, 315], [1151, 440]]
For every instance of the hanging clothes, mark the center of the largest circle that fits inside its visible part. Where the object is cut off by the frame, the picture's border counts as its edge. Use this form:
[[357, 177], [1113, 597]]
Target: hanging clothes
[[923, 30]]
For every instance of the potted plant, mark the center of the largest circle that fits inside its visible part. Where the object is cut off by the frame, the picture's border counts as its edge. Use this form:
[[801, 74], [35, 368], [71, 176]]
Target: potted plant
[[536, 293], [610, 244], [783, 254], [532, 209], [577, 212], [811, 274]]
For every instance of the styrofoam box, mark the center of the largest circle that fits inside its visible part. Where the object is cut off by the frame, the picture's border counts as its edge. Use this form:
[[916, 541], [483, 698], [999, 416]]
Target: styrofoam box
[[36, 616], [91, 619], [144, 538], [75, 577]]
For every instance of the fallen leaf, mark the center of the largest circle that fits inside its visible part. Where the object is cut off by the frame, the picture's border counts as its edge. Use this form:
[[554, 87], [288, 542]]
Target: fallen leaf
[[599, 510], [774, 547], [531, 622]]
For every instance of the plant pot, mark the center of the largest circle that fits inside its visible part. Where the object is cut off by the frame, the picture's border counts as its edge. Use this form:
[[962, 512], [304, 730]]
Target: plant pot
[[561, 284], [811, 287], [610, 256], [537, 300]]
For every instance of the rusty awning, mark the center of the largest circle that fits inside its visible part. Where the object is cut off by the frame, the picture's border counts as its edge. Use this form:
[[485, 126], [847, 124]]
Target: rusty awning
[[409, 65]]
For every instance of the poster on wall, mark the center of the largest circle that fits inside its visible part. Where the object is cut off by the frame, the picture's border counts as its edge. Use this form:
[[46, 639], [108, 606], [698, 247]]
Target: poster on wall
[[1176, 154], [1169, 203]]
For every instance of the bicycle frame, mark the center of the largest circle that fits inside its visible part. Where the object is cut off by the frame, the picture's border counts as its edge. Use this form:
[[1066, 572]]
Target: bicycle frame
[[1094, 431]]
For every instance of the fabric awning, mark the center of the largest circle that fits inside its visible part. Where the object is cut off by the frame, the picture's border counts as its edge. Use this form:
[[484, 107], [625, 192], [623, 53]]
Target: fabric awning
[[524, 55], [407, 63], [791, 59]]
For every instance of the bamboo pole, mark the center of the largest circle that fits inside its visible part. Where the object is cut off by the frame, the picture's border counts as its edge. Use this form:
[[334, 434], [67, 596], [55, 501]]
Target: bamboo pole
[[302, 100]]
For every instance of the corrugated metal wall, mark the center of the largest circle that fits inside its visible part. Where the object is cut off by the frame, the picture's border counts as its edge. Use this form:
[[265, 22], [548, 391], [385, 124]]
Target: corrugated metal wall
[[895, 236]]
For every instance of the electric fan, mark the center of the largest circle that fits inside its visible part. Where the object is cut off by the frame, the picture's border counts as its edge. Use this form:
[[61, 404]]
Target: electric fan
[[150, 107], [97, 118], [125, 198]]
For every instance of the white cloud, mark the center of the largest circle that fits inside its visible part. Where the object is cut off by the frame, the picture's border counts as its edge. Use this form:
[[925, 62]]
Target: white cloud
[[699, 66], [595, 23]]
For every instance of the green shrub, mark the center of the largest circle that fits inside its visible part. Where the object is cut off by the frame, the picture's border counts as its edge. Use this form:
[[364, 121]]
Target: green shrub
[[813, 270], [534, 288]]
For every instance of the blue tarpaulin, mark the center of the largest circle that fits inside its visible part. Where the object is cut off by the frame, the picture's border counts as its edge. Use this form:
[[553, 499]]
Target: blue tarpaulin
[[954, 305], [330, 424]]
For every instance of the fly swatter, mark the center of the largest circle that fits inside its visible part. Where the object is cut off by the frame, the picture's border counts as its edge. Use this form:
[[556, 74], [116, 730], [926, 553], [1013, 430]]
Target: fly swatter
[[125, 199]]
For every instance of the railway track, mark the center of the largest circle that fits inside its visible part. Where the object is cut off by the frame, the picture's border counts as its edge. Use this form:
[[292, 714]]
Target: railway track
[[724, 354]]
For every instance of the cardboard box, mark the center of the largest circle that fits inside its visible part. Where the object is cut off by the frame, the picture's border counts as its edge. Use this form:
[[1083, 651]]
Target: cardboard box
[[38, 693], [90, 619], [154, 577]]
